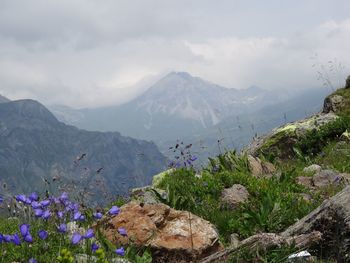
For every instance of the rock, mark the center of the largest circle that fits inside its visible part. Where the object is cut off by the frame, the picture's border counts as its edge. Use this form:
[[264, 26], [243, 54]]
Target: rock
[[305, 181], [326, 178], [280, 141], [157, 179], [146, 195], [333, 103], [268, 168], [313, 168], [235, 242], [235, 195], [347, 83], [259, 168], [172, 236], [323, 178], [255, 166], [265, 241], [332, 219]]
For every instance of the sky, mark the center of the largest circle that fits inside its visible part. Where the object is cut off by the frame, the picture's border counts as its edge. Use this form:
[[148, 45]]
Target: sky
[[91, 53]]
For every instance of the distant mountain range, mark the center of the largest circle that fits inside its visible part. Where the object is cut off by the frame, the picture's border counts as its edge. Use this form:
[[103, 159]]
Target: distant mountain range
[[182, 107], [177, 105], [38, 152]]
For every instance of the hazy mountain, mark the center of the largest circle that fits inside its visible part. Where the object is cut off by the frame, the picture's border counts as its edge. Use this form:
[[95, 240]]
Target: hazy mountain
[[211, 117], [3, 99], [35, 147], [175, 106]]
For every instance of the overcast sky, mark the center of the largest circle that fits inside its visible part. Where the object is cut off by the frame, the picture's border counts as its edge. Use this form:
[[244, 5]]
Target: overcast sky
[[87, 53]]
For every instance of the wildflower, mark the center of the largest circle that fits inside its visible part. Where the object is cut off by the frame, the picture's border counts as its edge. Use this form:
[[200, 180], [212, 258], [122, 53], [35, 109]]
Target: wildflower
[[45, 203], [63, 197], [74, 207], [122, 231], [193, 158], [20, 198], [82, 218], [24, 229], [94, 247], [43, 234], [1, 199], [7, 238], [15, 239], [46, 214], [120, 251], [89, 234], [62, 228], [60, 214], [114, 210], [76, 238], [27, 201], [28, 238], [32, 260], [33, 197], [56, 200], [36, 205], [97, 215], [77, 215], [38, 212]]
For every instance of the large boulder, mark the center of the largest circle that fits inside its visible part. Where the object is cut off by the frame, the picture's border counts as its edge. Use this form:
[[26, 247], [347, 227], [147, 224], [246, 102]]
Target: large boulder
[[280, 141], [332, 219], [235, 195], [325, 178], [172, 235]]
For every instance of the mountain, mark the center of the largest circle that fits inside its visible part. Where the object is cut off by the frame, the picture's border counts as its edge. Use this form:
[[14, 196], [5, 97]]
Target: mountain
[[38, 152], [182, 107], [3, 99], [177, 105]]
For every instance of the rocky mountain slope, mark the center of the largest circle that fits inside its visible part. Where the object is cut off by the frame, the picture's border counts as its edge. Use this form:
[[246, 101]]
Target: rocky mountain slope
[[38, 152]]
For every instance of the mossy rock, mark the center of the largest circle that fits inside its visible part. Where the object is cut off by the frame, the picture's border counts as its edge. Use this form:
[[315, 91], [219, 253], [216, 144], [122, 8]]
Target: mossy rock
[[281, 141], [158, 179]]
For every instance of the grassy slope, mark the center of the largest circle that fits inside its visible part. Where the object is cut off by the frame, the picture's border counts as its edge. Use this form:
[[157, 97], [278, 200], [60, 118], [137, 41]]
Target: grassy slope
[[274, 203]]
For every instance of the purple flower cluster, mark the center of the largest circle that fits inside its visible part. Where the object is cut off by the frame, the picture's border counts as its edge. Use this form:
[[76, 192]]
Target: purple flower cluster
[[61, 210], [25, 236], [182, 156]]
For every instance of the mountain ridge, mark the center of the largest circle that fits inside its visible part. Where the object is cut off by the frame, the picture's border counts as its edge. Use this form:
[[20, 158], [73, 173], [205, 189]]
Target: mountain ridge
[[36, 148]]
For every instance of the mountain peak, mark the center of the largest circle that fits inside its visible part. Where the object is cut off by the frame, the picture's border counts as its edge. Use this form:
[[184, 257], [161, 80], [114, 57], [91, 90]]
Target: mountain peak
[[27, 111], [182, 74]]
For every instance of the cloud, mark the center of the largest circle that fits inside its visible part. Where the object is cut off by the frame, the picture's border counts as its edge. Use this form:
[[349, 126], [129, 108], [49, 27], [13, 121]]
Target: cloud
[[93, 53]]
